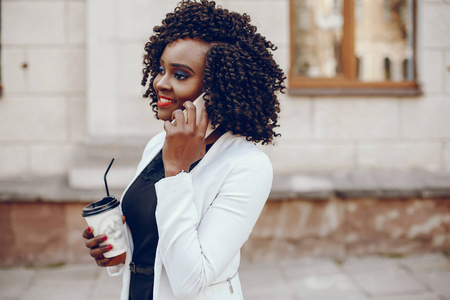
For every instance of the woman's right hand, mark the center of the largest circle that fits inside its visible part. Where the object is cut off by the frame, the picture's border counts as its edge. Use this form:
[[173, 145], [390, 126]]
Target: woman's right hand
[[96, 251]]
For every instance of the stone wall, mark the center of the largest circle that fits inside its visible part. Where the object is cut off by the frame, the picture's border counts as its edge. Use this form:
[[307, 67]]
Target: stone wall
[[71, 74], [48, 233], [345, 227], [41, 233], [43, 106]]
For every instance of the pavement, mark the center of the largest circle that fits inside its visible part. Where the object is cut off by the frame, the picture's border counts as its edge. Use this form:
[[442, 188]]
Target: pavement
[[418, 277]]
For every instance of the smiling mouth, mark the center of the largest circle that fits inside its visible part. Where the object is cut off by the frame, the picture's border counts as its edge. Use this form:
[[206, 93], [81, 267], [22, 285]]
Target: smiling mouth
[[164, 101]]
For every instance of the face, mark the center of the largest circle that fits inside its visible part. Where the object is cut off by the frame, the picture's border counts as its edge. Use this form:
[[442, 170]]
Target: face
[[180, 76]]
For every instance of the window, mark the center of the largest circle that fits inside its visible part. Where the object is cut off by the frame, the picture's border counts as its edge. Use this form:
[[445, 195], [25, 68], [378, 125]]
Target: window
[[353, 47]]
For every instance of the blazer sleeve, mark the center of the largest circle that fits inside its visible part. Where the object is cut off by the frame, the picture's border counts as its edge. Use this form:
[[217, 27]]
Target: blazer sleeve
[[194, 252]]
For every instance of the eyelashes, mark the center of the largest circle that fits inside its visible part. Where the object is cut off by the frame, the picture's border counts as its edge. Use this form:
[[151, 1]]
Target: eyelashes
[[179, 75]]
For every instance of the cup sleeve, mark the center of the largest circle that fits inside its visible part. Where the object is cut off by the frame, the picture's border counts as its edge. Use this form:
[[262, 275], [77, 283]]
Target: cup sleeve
[[116, 270]]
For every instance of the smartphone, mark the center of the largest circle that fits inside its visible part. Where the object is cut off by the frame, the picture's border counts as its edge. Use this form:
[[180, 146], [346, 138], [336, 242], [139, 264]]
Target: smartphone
[[199, 103]]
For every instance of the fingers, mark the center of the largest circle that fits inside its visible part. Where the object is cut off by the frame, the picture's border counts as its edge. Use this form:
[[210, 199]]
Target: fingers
[[178, 117], [97, 253], [96, 250], [167, 126], [96, 241], [103, 262], [189, 116], [88, 233], [191, 113]]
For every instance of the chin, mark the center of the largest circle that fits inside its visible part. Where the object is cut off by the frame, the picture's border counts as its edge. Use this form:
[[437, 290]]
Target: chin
[[163, 117]]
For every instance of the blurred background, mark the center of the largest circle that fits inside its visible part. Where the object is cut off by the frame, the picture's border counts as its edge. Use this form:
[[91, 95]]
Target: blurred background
[[362, 167]]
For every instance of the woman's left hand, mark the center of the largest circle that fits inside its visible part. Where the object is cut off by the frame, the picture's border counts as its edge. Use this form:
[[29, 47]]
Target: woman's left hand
[[185, 140]]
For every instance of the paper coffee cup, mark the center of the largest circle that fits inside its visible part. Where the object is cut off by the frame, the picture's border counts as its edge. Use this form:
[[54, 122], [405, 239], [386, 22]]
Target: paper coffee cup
[[104, 217]]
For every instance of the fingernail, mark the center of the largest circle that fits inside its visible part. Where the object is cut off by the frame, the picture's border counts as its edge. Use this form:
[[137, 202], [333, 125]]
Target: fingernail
[[89, 229], [103, 238], [109, 247]]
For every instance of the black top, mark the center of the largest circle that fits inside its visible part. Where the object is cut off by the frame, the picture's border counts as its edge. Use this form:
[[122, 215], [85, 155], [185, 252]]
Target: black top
[[138, 207]]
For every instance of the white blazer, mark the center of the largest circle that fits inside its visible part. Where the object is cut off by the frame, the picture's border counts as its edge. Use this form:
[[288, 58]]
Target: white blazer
[[204, 217]]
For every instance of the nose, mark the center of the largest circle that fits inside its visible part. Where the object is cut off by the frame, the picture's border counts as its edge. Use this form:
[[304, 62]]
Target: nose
[[162, 82]]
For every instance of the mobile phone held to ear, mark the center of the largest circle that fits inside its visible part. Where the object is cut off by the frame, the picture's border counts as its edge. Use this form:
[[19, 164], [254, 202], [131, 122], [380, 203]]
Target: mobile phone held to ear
[[199, 103]]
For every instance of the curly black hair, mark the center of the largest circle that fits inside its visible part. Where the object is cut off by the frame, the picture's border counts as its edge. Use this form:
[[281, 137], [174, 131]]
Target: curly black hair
[[241, 77]]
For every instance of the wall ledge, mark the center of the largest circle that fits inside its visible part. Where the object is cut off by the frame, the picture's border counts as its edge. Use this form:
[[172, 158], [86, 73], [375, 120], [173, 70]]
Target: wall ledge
[[49, 189], [362, 184], [307, 186]]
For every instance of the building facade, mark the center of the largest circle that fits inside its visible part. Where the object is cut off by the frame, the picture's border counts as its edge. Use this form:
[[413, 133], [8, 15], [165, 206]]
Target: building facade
[[71, 72]]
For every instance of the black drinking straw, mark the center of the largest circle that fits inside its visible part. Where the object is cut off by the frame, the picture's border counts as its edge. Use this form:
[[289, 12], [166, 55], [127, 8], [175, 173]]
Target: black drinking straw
[[104, 177]]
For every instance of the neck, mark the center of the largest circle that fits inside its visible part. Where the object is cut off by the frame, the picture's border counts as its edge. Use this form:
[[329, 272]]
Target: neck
[[215, 135]]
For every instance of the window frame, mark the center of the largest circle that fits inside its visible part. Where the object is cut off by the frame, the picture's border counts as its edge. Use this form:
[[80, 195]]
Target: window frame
[[348, 83]]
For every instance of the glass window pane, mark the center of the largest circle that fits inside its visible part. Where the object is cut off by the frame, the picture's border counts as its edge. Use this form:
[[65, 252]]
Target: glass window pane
[[318, 28], [384, 43]]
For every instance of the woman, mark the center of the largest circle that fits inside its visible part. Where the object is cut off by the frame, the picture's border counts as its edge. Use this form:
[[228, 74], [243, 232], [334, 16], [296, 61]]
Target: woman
[[195, 198]]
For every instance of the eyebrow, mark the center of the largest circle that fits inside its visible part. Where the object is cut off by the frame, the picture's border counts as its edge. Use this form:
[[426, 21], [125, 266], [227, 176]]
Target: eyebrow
[[180, 66]]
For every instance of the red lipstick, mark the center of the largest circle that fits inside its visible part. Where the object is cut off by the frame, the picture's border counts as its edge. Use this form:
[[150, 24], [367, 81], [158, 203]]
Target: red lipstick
[[165, 101]]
